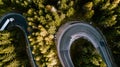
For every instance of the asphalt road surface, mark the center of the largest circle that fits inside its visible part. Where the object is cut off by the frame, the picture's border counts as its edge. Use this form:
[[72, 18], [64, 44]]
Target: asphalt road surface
[[15, 20], [73, 30]]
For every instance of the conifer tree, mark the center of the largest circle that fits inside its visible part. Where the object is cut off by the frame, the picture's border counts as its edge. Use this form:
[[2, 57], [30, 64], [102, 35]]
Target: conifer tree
[[46, 16], [12, 50]]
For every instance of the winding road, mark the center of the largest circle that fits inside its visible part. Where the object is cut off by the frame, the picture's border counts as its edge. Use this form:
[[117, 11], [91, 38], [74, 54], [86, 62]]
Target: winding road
[[15, 20], [65, 36], [73, 30]]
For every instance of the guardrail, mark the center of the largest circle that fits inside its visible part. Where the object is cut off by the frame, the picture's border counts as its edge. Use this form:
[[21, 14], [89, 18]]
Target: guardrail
[[71, 31], [15, 20]]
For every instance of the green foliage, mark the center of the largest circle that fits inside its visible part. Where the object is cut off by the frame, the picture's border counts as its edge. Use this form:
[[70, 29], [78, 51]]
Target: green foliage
[[1, 3], [7, 53], [84, 54], [46, 16], [12, 51]]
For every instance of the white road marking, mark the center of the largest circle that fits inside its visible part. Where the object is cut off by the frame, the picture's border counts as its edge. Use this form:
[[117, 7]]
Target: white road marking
[[6, 23]]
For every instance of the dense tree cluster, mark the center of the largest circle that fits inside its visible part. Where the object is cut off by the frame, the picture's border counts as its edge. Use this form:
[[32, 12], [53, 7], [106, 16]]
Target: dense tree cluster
[[44, 17], [13, 50], [88, 56]]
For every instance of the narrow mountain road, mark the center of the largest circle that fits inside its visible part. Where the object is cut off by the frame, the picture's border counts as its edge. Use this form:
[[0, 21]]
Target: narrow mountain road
[[15, 20], [71, 31]]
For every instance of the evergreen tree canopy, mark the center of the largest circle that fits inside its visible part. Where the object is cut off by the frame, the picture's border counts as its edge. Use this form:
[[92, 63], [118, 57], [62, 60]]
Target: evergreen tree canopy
[[46, 16]]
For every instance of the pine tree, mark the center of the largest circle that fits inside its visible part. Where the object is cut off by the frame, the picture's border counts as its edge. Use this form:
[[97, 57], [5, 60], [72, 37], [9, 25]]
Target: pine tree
[[7, 53], [12, 50], [46, 16]]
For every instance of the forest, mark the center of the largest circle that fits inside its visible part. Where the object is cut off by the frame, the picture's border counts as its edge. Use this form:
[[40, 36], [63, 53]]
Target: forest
[[44, 18]]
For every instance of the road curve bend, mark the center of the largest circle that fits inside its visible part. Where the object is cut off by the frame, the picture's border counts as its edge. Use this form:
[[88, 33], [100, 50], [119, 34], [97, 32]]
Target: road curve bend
[[14, 20], [73, 30]]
